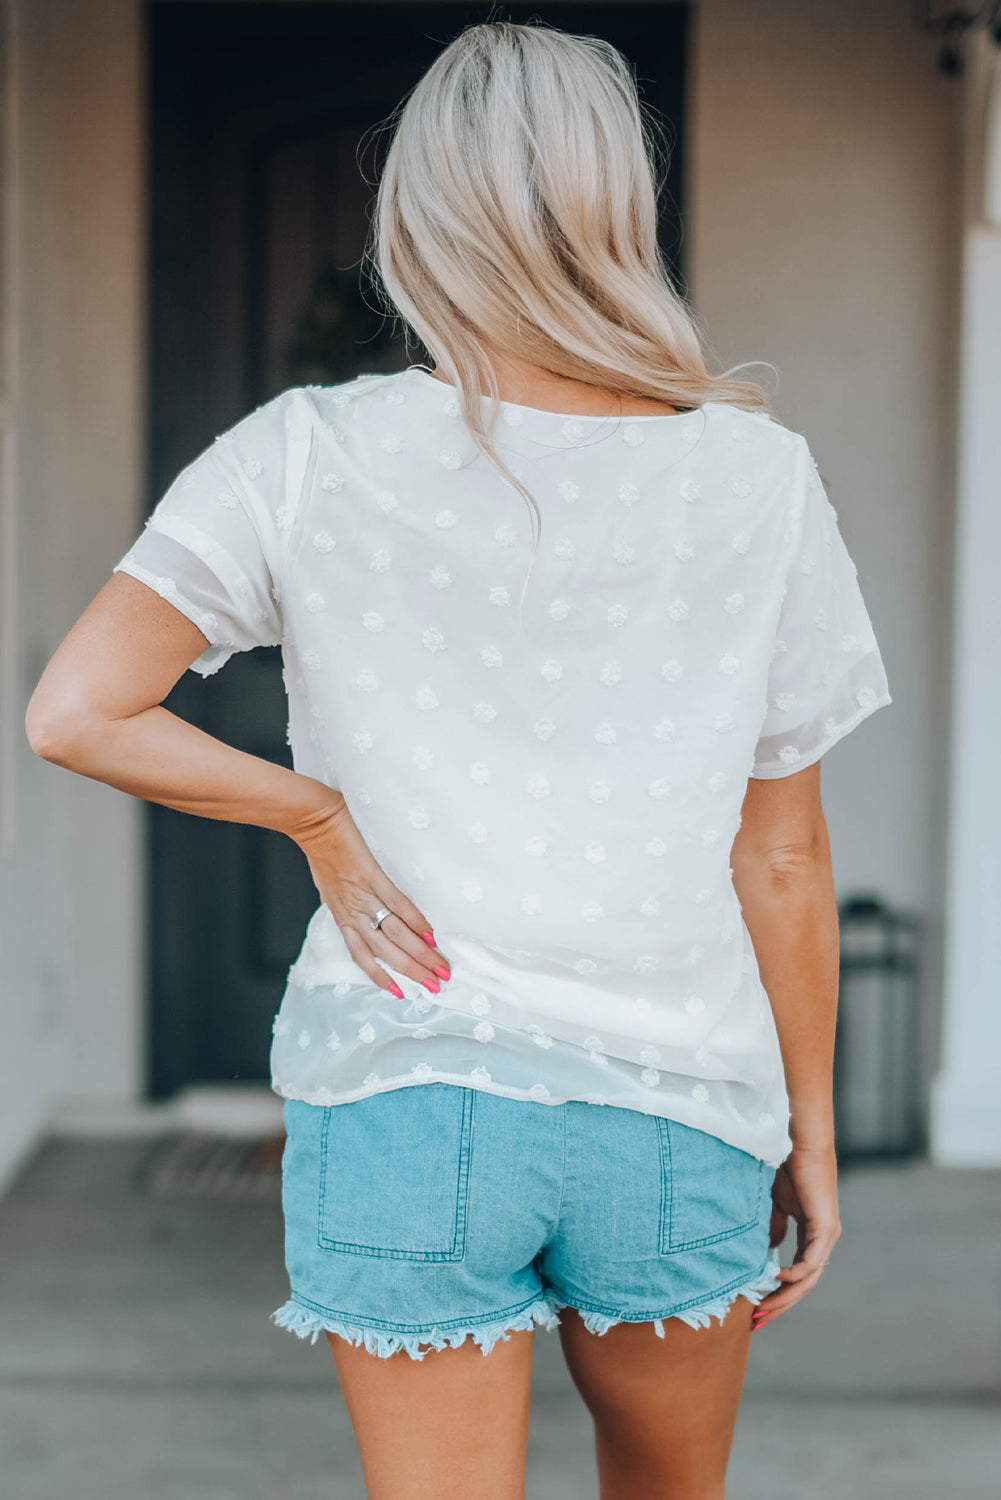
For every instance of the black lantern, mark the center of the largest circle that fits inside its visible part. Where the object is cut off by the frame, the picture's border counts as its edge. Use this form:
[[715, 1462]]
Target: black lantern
[[877, 1053]]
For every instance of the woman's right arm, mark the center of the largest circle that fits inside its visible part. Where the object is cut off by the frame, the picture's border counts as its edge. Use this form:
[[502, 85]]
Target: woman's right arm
[[782, 873]]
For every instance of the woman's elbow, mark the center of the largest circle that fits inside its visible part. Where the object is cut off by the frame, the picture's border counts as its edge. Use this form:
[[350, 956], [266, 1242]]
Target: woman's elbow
[[54, 729]]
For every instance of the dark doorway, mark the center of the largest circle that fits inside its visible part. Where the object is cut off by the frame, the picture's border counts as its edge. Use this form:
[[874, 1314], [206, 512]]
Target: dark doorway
[[258, 219]]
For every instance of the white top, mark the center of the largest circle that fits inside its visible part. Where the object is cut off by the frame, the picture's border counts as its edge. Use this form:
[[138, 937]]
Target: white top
[[559, 794]]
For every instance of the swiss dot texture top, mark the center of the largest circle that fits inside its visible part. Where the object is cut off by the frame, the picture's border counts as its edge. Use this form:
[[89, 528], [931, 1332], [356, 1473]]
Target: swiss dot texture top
[[556, 780]]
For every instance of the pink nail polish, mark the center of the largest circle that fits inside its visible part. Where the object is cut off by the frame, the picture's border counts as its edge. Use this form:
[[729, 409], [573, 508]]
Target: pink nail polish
[[441, 971], [428, 937], [394, 989], [432, 985]]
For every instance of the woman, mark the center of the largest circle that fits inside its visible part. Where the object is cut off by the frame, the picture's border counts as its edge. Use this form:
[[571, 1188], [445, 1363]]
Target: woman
[[561, 667]]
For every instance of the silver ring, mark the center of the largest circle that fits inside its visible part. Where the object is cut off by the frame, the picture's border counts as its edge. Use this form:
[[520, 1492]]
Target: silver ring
[[379, 917]]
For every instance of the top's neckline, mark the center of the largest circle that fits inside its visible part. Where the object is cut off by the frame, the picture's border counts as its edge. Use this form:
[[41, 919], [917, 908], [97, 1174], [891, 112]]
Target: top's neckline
[[562, 416]]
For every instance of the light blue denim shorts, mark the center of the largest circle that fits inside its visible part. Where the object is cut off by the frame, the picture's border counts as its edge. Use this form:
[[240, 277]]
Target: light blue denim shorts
[[430, 1213]]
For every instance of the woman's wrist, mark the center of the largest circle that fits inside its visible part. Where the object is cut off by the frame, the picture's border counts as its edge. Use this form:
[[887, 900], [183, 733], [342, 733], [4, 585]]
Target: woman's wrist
[[811, 1123], [312, 812]]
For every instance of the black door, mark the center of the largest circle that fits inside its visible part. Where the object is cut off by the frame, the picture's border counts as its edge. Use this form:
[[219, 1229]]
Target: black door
[[260, 116]]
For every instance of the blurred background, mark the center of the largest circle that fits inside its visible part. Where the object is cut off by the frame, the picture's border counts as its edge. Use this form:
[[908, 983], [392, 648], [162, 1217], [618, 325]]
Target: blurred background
[[184, 196]]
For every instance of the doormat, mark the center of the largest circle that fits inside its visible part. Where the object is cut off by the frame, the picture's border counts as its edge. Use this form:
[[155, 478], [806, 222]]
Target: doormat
[[197, 1165]]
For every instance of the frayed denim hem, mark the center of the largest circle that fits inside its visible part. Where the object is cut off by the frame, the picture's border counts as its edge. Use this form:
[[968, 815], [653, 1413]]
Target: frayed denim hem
[[305, 1323], [695, 1317]]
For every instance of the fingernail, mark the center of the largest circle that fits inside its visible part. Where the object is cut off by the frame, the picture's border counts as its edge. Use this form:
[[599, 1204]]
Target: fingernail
[[429, 937], [432, 985], [394, 989], [441, 971]]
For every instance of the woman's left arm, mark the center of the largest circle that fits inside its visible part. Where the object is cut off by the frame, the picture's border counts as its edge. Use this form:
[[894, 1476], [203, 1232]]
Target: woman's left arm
[[97, 710]]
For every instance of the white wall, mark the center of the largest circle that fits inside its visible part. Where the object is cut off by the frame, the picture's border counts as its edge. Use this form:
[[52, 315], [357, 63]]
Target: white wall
[[966, 1114], [71, 886], [823, 234]]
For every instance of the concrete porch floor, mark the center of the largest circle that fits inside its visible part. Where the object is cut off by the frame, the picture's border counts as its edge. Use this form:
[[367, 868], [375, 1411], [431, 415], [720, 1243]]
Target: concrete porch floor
[[137, 1360]]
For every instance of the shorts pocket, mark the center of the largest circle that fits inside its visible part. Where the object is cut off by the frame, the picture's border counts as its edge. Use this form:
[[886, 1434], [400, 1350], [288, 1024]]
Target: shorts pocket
[[710, 1190], [394, 1173]]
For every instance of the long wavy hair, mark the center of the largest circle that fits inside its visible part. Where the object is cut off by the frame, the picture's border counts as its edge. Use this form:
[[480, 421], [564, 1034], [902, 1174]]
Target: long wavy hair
[[517, 211]]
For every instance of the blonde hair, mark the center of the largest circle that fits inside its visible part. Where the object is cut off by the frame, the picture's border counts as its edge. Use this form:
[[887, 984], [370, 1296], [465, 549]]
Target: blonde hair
[[517, 210]]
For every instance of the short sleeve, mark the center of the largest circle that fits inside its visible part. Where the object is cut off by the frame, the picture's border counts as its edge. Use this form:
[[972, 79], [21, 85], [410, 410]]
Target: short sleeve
[[214, 544], [826, 674]]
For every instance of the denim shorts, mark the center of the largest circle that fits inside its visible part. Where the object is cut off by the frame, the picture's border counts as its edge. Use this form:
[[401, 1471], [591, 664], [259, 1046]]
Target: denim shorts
[[430, 1213]]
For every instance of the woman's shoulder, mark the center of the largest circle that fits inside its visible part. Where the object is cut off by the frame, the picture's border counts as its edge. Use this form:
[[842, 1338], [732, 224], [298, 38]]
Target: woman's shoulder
[[334, 401], [746, 424]]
